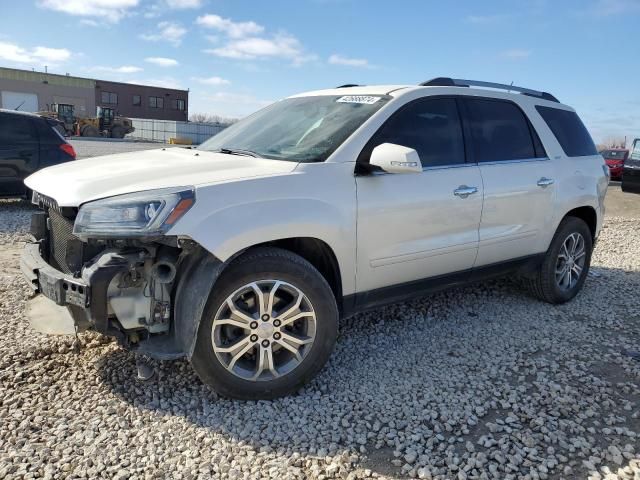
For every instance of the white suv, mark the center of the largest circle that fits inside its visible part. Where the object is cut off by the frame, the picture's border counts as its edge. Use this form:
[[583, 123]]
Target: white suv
[[242, 254]]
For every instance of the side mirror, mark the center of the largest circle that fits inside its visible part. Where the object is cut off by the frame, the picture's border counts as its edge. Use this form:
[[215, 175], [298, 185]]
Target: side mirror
[[394, 158]]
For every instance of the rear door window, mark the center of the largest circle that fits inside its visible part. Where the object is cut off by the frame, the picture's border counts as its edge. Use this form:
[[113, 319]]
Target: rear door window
[[569, 130], [430, 126], [500, 131]]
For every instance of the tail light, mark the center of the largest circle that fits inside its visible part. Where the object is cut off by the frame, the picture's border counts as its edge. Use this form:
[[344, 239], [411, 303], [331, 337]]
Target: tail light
[[68, 149]]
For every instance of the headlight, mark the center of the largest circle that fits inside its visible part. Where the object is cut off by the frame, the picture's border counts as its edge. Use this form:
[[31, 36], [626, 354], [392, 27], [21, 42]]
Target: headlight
[[139, 214]]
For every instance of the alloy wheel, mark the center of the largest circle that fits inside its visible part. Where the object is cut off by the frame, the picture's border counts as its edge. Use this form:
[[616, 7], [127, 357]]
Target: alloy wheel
[[570, 262], [264, 330]]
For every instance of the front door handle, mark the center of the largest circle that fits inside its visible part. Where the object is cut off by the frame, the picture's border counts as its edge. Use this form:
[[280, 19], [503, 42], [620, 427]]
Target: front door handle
[[545, 182], [463, 191]]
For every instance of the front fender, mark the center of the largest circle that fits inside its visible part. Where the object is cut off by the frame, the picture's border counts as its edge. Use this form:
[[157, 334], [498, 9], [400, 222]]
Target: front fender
[[234, 228], [195, 281]]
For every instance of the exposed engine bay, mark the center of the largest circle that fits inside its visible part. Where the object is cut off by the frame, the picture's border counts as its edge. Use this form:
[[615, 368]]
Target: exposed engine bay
[[123, 288]]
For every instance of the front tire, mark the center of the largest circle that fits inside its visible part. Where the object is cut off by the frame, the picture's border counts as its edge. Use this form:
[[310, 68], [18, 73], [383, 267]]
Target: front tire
[[90, 131], [269, 326], [566, 263], [117, 132]]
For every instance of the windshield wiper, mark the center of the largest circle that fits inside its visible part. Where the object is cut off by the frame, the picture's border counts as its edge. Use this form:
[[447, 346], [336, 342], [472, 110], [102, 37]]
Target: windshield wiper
[[239, 151]]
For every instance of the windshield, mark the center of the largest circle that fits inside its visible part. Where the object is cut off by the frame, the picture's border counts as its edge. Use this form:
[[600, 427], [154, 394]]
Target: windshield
[[614, 154], [635, 154], [302, 129]]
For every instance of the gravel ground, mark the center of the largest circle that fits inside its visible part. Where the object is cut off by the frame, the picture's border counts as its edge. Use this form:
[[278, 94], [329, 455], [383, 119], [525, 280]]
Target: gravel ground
[[95, 148], [481, 382]]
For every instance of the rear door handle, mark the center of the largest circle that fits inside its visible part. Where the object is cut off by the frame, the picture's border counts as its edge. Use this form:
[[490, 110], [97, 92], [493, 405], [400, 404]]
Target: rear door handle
[[545, 182], [463, 191]]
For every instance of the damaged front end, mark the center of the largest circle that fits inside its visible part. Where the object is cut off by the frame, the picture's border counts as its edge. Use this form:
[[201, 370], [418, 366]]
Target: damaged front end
[[114, 269]]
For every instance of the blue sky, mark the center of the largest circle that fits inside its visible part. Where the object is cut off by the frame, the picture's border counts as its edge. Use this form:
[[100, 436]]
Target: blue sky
[[238, 55]]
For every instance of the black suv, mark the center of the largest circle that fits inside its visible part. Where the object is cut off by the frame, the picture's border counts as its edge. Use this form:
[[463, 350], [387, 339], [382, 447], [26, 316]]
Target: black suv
[[28, 143]]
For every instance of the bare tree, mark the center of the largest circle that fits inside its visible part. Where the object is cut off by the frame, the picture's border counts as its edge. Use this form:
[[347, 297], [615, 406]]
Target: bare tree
[[614, 142], [209, 118]]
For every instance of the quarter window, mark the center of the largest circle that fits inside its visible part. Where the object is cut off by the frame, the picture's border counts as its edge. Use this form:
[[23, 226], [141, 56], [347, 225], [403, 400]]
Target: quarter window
[[156, 102], [569, 130], [499, 131], [429, 126]]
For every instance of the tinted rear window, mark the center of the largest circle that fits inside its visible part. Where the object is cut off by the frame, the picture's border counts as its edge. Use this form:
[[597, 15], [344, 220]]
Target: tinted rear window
[[569, 130], [614, 154], [499, 130], [48, 132]]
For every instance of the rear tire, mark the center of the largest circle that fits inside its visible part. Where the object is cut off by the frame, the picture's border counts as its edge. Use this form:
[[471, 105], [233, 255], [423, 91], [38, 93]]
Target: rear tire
[[240, 352], [566, 263]]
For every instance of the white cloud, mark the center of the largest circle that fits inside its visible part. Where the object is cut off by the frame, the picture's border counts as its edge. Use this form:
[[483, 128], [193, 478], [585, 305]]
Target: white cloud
[[164, 82], [122, 69], [229, 27], [159, 8], [183, 4], [87, 22], [226, 104], [487, 19], [337, 59], [281, 46], [162, 61], [110, 10], [171, 32], [215, 81], [605, 8], [36, 56], [516, 53], [247, 41]]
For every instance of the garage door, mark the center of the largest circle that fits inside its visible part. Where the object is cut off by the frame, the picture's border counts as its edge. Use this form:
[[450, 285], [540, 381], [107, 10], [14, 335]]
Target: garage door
[[27, 102]]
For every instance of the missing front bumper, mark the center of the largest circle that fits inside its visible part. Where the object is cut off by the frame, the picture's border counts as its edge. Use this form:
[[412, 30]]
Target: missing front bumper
[[86, 296]]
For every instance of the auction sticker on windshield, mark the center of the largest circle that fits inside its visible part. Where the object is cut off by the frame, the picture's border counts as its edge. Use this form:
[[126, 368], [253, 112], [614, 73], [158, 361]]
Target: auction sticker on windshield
[[366, 99]]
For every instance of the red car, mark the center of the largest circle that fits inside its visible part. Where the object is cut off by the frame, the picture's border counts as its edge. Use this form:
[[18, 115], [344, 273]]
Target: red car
[[615, 158]]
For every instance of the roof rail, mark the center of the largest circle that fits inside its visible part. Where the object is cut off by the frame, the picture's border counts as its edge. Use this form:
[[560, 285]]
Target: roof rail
[[457, 82], [348, 85]]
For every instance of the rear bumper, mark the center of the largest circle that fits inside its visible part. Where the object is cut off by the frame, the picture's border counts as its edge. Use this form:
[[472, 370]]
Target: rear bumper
[[615, 170], [87, 295]]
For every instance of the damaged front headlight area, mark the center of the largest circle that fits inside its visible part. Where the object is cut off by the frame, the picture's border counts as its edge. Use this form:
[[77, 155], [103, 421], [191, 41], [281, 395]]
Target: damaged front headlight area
[[134, 230], [142, 214]]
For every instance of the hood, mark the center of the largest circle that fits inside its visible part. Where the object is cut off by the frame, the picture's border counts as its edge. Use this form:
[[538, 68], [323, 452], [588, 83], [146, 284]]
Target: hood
[[74, 183]]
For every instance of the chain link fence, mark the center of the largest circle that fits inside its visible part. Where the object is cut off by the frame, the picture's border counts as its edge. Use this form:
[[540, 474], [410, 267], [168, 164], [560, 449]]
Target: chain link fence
[[165, 130]]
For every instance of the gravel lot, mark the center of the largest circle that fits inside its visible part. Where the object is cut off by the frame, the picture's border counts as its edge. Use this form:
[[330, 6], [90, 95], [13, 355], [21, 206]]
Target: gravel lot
[[481, 382]]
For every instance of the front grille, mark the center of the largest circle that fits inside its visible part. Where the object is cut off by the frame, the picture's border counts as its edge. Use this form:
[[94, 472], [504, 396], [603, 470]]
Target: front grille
[[67, 252], [61, 240], [44, 202]]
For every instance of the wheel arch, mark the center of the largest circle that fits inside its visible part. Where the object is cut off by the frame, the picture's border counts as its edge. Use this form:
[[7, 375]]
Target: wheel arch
[[318, 253], [201, 270], [589, 215]]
